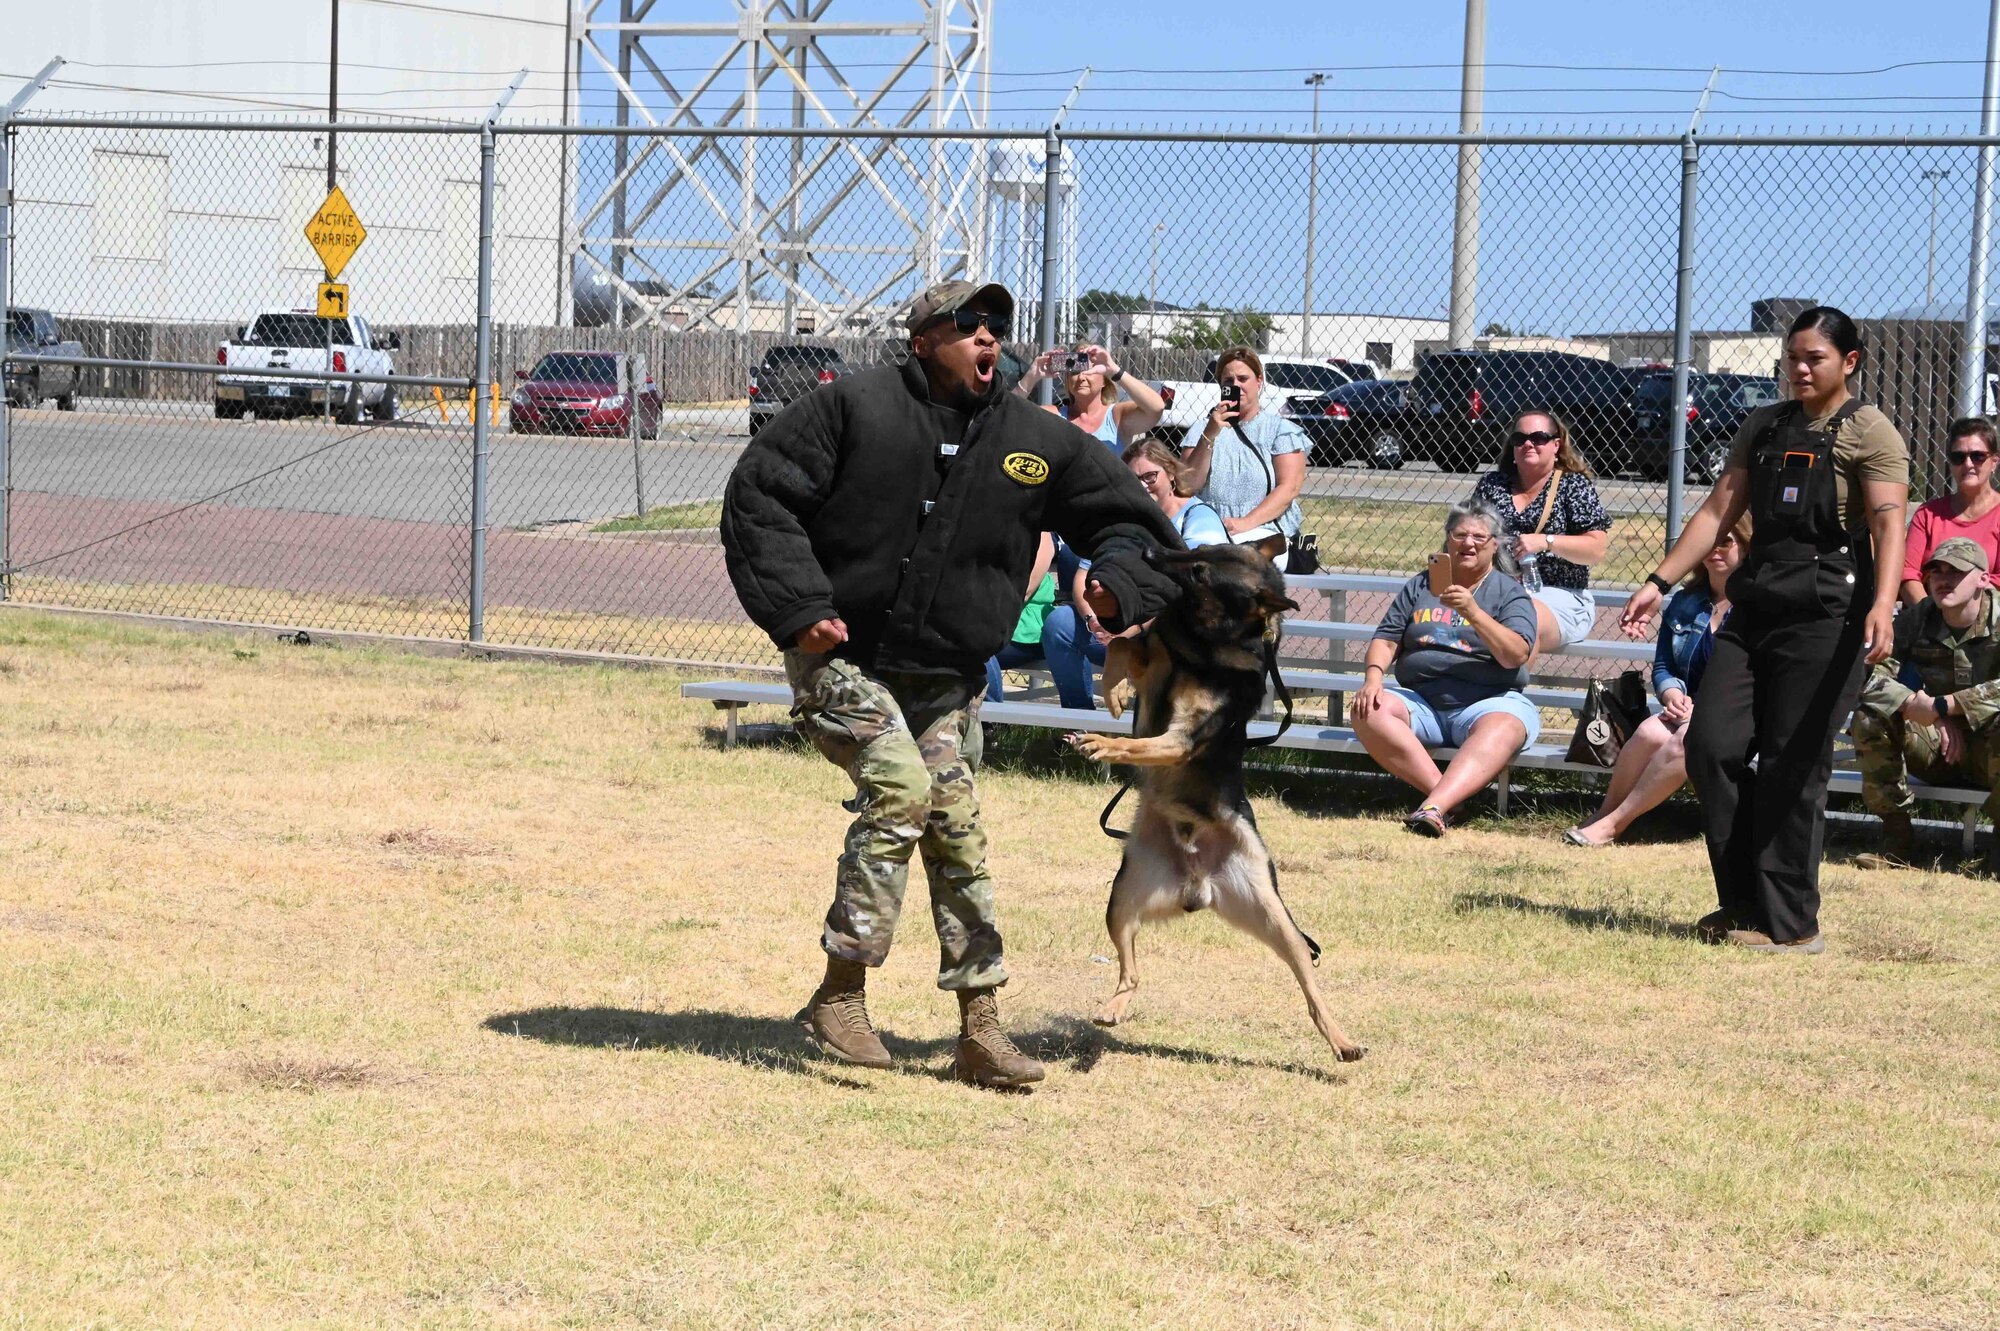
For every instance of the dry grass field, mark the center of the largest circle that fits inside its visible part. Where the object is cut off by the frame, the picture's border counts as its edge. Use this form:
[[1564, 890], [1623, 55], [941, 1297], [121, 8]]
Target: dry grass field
[[345, 989]]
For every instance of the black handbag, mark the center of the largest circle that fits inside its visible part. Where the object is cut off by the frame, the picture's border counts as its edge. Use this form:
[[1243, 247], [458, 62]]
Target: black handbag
[[1612, 710], [1302, 549]]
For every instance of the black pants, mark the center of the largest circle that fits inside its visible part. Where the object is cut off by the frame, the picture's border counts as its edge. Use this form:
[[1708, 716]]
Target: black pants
[[1776, 692]]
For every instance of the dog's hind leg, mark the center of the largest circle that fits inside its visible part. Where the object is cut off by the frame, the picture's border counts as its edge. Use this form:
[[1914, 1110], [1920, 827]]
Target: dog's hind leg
[[1246, 896], [1148, 887]]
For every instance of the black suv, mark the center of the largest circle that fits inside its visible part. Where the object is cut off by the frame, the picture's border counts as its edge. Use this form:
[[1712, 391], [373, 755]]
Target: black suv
[[1461, 404], [1716, 407]]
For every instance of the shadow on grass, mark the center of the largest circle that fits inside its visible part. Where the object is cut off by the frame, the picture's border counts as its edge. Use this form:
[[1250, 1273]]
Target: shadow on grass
[[1617, 918], [773, 1045]]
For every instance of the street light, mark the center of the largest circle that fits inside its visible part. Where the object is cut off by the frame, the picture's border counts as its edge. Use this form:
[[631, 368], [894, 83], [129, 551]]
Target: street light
[[1934, 175], [1153, 287], [1313, 81]]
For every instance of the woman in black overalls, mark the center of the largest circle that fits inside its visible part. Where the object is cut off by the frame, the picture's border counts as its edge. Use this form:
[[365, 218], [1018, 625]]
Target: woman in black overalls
[[1812, 605]]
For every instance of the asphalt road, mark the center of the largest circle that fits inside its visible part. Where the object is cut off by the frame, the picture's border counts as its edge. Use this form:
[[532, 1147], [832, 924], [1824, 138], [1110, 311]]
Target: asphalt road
[[415, 469], [419, 469]]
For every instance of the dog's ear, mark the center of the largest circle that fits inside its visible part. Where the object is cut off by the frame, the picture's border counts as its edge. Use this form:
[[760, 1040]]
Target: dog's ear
[[1270, 547], [1274, 602]]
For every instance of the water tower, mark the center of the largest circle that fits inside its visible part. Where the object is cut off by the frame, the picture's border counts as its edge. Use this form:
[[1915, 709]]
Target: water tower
[[777, 235]]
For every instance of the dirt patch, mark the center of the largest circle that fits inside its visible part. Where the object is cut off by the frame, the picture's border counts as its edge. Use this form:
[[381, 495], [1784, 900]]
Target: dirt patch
[[422, 841], [309, 1076]]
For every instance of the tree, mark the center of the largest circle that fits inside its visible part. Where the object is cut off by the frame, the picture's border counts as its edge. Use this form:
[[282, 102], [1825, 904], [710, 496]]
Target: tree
[[1497, 329], [1229, 328], [1094, 303]]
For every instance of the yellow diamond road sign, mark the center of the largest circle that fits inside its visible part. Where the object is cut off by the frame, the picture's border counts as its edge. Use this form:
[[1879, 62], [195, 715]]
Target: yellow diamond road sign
[[335, 233]]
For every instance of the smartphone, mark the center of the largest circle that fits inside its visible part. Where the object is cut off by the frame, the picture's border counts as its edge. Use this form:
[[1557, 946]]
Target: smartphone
[[1076, 364], [1440, 571], [1232, 399]]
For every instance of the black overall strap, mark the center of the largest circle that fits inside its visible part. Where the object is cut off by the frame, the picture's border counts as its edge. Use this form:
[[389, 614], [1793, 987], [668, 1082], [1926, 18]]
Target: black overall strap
[[1284, 696]]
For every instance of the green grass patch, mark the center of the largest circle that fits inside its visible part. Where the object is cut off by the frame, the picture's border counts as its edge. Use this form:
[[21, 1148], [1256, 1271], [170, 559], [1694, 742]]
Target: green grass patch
[[700, 515]]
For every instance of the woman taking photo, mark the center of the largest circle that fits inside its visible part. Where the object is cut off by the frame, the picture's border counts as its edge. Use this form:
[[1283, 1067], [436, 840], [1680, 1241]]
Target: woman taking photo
[[1825, 481], [1542, 487], [1653, 763], [1248, 463], [1459, 636], [1092, 389], [1972, 509], [1072, 638]]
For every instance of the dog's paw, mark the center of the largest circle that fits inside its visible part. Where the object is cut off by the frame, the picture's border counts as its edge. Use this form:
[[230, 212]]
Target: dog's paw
[[1094, 747], [1119, 697]]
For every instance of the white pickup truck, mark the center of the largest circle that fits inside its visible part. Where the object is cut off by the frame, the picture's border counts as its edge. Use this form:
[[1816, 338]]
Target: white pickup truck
[[1285, 378], [300, 340]]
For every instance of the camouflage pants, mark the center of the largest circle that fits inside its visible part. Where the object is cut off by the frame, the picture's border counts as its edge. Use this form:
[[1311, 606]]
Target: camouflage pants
[[911, 744], [1887, 752]]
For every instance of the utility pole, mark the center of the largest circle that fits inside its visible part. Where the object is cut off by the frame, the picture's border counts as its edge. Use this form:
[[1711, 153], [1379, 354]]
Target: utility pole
[[332, 95], [1972, 354], [1934, 175], [332, 174], [1153, 288], [1312, 220], [1465, 214]]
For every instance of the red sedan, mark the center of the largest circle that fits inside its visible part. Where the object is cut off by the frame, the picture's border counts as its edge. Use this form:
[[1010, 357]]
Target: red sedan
[[581, 393]]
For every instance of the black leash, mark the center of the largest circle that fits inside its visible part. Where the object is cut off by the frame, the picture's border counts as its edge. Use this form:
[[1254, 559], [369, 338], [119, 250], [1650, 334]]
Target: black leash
[[1262, 741]]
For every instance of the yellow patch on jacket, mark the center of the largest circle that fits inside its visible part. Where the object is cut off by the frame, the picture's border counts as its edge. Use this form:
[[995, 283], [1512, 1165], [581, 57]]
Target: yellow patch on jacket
[[1025, 468]]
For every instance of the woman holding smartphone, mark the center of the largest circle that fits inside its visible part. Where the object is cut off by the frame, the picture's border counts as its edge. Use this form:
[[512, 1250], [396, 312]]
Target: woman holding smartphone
[[1247, 464], [1093, 384], [1825, 481], [1458, 637]]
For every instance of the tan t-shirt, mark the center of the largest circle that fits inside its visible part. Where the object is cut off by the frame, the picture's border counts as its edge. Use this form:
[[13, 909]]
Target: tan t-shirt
[[1868, 448]]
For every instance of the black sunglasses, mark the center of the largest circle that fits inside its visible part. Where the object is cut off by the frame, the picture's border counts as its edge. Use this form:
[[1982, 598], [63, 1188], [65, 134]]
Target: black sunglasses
[[966, 321], [1538, 438], [1960, 459]]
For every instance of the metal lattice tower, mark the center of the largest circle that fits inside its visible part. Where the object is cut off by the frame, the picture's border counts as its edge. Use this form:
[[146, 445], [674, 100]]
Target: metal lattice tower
[[687, 231]]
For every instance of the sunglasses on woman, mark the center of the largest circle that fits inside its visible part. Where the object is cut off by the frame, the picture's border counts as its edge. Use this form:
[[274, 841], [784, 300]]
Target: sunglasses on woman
[[1537, 438], [1959, 459], [967, 321]]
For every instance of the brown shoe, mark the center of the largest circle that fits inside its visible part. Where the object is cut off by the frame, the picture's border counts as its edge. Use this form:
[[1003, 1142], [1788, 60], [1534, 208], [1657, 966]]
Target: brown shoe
[[986, 1057], [836, 1019], [1754, 940], [1899, 844]]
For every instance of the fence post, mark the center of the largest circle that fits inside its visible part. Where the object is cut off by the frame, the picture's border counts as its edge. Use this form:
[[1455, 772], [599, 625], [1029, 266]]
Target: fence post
[[1051, 242], [482, 411], [7, 113], [634, 385], [6, 345], [1677, 422], [1972, 355]]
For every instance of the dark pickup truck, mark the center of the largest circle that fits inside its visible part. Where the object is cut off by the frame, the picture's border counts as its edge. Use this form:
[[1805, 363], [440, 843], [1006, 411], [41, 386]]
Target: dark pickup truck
[[790, 371], [35, 333]]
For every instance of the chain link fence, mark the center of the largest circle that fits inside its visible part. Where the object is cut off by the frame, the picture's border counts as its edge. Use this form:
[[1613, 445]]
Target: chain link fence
[[190, 438]]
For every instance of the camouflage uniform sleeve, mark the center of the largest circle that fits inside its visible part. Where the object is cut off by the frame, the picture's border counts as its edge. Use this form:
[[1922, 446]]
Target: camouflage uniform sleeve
[[1979, 705], [1884, 694]]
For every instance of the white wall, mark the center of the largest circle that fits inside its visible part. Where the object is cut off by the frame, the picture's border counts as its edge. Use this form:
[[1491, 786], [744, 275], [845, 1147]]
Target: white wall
[[189, 225]]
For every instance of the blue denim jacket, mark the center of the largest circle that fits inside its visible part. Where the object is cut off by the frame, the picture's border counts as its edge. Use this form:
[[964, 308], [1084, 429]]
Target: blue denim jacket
[[1681, 627]]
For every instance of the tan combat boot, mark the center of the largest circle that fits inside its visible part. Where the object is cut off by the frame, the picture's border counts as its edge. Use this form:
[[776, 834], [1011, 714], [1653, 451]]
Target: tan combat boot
[[837, 1017], [986, 1057], [1899, 844]]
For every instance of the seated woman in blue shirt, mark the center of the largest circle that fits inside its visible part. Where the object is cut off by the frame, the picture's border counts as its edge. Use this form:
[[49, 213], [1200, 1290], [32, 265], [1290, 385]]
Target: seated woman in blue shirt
[[1072, 639], [1653, 763]]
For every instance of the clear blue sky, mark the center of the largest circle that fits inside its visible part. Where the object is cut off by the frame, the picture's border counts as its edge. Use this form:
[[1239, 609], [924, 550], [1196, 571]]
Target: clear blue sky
[[1573, 241]]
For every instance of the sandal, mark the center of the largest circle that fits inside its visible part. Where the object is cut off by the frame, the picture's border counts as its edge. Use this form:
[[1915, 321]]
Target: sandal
[[1425, 821], [1575, 837]]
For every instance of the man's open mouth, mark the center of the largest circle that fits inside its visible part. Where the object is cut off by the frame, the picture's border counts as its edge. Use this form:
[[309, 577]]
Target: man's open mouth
[[983, 364]]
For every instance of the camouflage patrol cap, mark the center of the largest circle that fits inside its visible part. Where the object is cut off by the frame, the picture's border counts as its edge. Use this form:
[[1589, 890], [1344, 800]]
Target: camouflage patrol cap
[[945, 297], [1962, 553]]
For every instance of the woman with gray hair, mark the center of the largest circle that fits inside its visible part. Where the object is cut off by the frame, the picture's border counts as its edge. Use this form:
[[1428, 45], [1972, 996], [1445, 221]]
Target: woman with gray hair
[[1459, 636]]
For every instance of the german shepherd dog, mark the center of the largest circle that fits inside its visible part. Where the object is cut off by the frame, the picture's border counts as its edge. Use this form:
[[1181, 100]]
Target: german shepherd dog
[[1197, 675]]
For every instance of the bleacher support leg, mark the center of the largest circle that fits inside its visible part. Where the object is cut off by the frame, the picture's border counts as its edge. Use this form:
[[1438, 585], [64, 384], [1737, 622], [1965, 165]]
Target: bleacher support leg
[[1971, 830], [729, 725], [1500, 792]]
